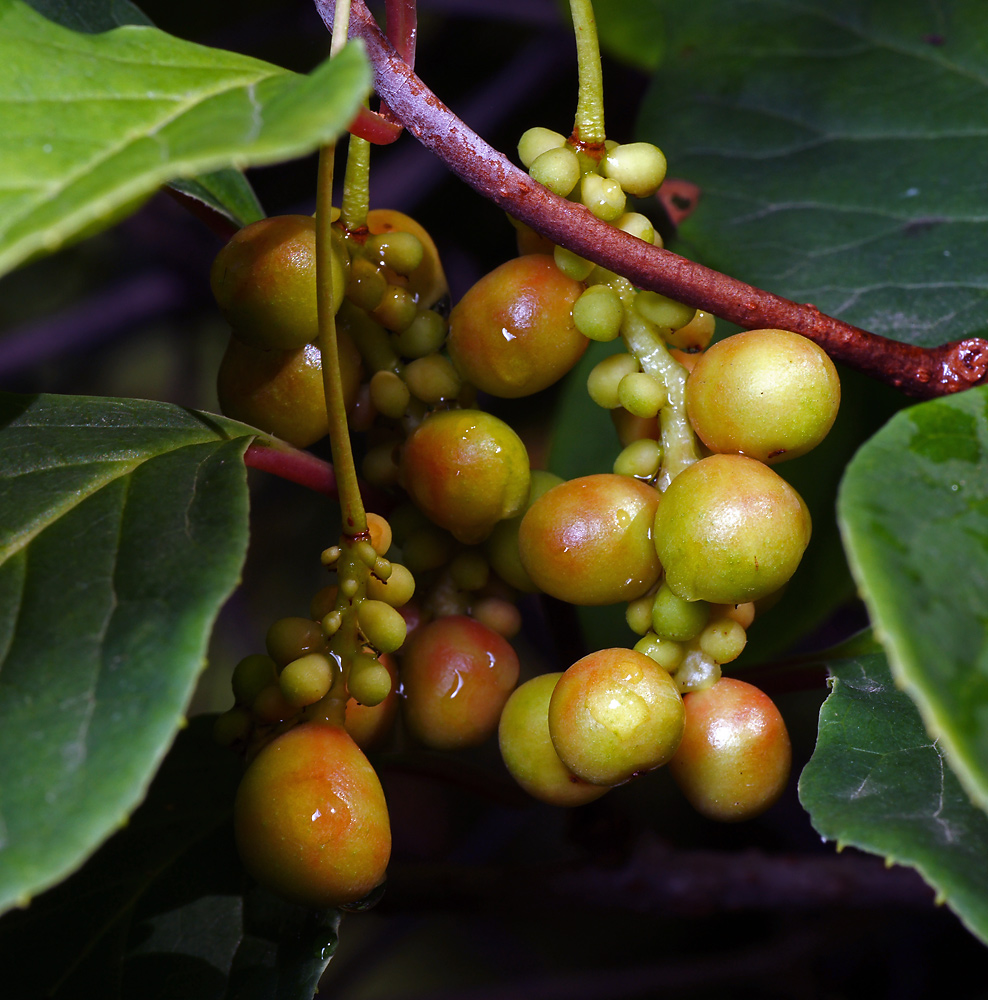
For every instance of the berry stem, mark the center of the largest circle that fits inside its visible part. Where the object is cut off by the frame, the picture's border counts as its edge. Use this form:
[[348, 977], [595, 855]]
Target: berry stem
[[588, 129], [351, 504], [916, 371], [679, 444], [356, 185]]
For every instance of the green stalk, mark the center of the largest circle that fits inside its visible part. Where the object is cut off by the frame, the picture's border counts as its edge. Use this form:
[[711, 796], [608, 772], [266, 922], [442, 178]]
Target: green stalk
[[356, 184], [680, 448], [588, 128]]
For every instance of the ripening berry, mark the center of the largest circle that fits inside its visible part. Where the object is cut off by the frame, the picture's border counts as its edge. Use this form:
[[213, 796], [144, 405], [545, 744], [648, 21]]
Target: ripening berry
[[768, 394], [735, 757], [264, 281], [615, 714], [456, 675], [513, 333], [310, 818], [527, 750], [730, 530], [466, 470], [589, 540], [282, 392]]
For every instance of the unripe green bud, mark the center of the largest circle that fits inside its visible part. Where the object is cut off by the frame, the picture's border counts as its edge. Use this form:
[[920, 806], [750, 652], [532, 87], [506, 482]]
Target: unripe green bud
[[723, 640], [639, 225], [397, 309], [432, 379], [558, 169], [639, 167], [572, 265], [666, 653], [640, 459], [676, 619], [696, 672], [602, 196], [425, 335], [397, 590], [398, 250], [369, 682], [663, 311], [535, 141], [251, 675], [290, 638], [642, 394], [639, 615], [367, 285], [606, 376], [389, 394], [382, 624], [305, 680], [598, 313]]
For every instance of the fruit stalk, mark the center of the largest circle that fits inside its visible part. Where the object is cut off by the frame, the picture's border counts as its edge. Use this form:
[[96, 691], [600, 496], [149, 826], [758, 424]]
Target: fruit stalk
[[588, 129]]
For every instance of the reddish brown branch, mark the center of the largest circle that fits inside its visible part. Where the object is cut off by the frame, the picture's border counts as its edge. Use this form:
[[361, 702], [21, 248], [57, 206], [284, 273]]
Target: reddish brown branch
[[917, 371]]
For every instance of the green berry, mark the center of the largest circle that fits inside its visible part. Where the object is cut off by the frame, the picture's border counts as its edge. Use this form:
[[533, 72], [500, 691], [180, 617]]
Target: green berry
[[605, 378], [603, 197], [642, 394], [433, 379], [676, 619], [639, 167], [305, 680], [535, 141], [558, 169], [598, 313], [663, 311]]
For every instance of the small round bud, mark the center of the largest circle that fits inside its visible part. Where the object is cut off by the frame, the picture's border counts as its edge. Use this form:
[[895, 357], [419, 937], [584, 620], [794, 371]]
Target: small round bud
[[305, 680], [389, 394], [642, 394], [536, 141], [666, 653], [369, 681], [598, 313], [603, 197], [638, 225], [696, 335], [397, 309], [424, 335], [640, 459], [380, 532], [605, 377], [432, 379], [638, 615], [382, 624], [367, 285], [723, 640], [251, 675], [499, 615], [572, 265], [663, 311], [697, 672], [290, 638], [270, 706], [400, 251], [558, 169], [639, 167], [676, 619], [396, 590], [232, 726]]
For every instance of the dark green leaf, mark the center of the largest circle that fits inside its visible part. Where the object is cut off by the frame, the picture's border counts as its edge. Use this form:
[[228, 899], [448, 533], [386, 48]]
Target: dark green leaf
[[90, 16], [123, 527], [840, 150], [94, 123], [156, 912], [914, 513], [878, 782]]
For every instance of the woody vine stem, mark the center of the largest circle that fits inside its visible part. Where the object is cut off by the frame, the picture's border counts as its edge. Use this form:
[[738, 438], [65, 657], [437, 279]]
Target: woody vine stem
[[916, 371]]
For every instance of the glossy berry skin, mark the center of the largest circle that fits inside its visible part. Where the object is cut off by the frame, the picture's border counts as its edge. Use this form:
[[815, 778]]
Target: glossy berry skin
[[465, 470], [369, 725], [768, 394], [730, 530], [735, 757], [281, 392], [615, 714], [589, 540], [264, 281], [310, 818], [527, 750], [456, 675], [513, 333]]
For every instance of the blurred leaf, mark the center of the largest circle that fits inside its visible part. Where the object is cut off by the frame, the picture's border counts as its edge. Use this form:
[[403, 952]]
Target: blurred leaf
[[90, 16], [913, 509], [840, 150], [123, 528], [96, 123], [632, 31], [156, 912], [878, 782]]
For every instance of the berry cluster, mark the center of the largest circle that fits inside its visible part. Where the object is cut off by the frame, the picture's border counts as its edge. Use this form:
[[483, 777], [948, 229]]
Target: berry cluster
[[692, 529]]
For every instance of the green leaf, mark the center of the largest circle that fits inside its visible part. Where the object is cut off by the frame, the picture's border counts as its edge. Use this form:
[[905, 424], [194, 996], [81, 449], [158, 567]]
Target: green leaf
[[840, 150], [225, 191], [913, 510], [123, 528], [95, 123], [157, 911], [632, 31], [878, 782]]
